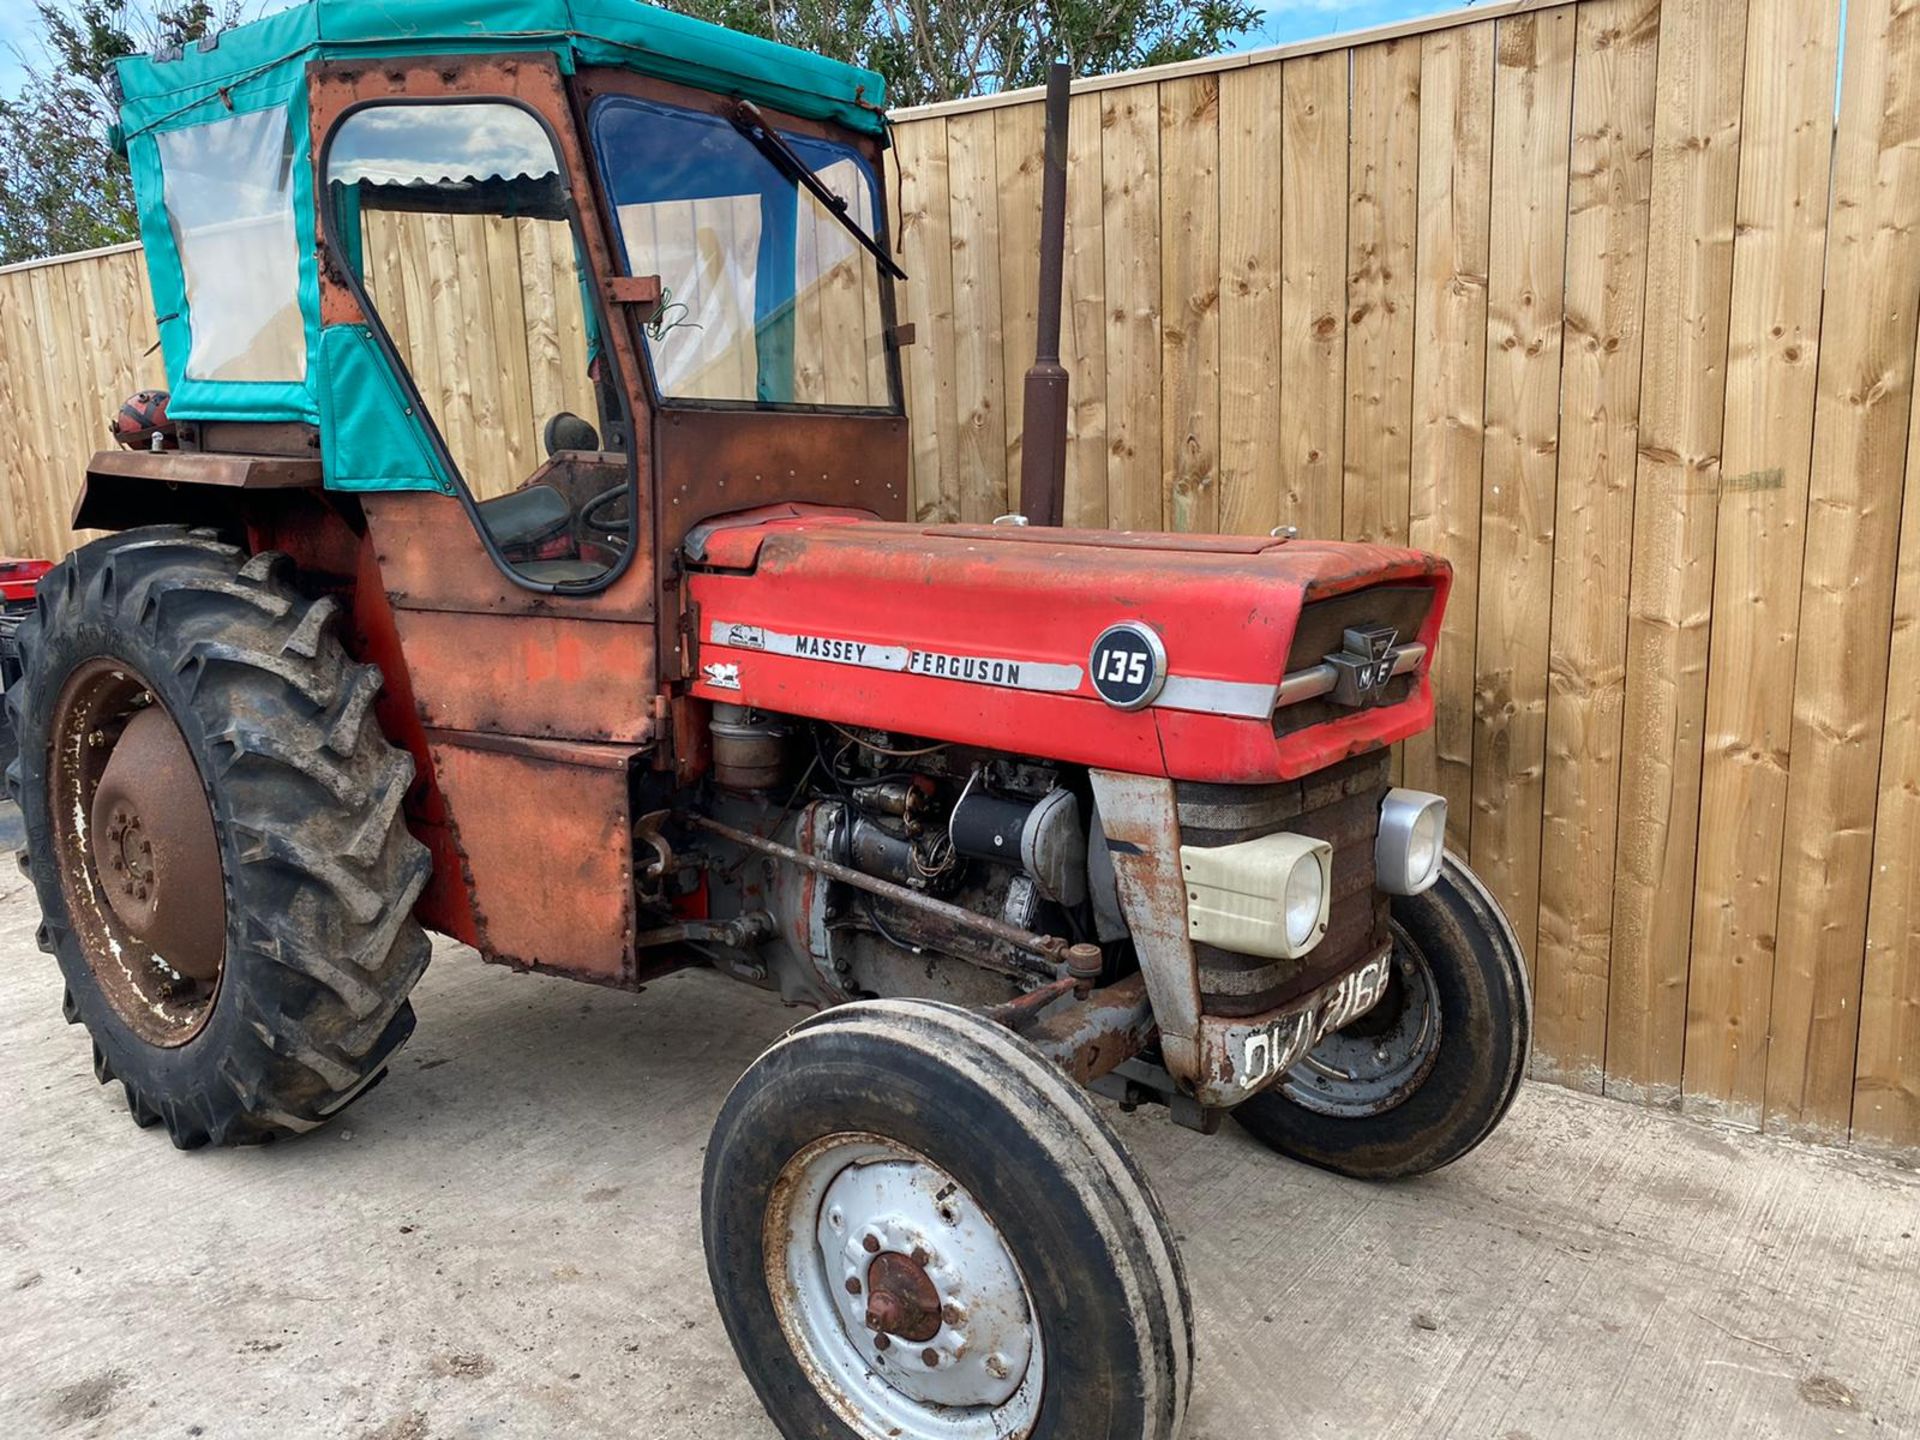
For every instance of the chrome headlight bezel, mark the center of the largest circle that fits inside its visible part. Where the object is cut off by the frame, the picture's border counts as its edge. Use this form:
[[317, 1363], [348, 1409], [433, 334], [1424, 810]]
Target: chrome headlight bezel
[[1411, 844]]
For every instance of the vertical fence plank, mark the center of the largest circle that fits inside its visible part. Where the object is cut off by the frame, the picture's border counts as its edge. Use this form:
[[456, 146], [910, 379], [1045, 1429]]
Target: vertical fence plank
[[1019, 138], [926, 254], [1083, 320], [1130, 161], [1190, 301], [1526, 267], [1886, 1097], [1683, 386], [1859, 450], [1383, 178], [20, 470], [979, 394], [1313, 292], [1773, 349], [66, 444], [1251, 108], [1612, 163], [1449, 387]]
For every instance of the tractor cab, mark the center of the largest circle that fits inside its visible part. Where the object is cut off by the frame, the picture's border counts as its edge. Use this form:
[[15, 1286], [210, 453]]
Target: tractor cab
[[590, 272]]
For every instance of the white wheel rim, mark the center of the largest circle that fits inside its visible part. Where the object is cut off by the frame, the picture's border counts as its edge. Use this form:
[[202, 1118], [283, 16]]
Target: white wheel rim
[[841, 1207]]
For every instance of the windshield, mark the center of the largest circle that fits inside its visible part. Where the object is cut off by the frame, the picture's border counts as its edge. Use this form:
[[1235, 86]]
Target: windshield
[[766, 299]]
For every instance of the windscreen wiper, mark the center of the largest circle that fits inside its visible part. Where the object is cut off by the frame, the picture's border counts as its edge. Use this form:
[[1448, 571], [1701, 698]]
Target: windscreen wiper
[[748, 120]]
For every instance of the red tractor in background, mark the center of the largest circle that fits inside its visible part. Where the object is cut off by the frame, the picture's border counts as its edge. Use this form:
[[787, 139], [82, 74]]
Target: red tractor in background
[[643, 663]]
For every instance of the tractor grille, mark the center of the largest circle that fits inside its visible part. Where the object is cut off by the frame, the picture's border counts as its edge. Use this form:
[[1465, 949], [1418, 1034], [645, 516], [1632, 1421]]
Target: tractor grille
[[1323, 626], [1340, 805]]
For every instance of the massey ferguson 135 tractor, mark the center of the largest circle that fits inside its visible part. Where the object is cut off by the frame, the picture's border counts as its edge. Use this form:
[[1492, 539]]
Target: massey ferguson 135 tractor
[[526, 555]]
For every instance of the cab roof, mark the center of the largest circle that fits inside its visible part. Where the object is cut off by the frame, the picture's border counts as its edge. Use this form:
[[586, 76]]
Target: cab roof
[[183, 87]]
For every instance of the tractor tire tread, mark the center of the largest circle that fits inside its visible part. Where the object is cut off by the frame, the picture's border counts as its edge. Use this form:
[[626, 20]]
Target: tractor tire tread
[[321, 872]]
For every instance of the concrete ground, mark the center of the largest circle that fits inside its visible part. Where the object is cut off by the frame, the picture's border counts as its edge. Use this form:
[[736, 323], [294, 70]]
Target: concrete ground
[[503, 1240]]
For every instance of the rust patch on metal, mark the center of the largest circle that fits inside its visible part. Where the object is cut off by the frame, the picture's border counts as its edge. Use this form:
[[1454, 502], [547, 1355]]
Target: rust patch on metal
[[713, 462], [543, 676], [545, 841], [155, 848], [1088, 1038], [901, 1298]]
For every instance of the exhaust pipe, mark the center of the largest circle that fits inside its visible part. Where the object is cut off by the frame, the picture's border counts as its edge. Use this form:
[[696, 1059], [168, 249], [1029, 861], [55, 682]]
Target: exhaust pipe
[[1043, 447]]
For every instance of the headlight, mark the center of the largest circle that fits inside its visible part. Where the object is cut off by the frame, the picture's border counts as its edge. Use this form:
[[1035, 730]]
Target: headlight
[[1412, 841], [1260, 897], [1306, 904]]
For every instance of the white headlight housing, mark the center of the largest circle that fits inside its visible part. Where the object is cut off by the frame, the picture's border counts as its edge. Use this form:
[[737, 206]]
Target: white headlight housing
[[1411, 843], [1261, 897]]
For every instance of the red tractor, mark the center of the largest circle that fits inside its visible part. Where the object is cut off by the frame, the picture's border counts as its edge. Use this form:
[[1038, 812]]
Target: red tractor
[[535, 565]]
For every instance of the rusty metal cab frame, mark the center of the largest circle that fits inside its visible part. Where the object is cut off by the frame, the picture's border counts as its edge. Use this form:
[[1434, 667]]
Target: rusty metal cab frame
[[500, 688]]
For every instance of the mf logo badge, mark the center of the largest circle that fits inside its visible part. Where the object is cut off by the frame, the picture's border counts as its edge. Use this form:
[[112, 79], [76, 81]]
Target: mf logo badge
[[1363, 666], [1129, 665]]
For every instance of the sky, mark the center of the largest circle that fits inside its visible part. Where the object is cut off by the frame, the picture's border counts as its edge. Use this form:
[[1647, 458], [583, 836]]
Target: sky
[[1285, 20], [1289, 20]]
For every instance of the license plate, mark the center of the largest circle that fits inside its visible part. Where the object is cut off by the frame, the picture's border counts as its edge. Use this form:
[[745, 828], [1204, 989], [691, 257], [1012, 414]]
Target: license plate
[[1267, 1051]]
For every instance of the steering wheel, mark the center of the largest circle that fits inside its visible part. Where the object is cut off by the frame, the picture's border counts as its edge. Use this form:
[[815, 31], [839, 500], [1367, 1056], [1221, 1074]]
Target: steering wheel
[[591, 520]]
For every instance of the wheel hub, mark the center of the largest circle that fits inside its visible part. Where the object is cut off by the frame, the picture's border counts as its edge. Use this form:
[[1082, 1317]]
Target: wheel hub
[[138, 856], [155, 849], [940, 1309], [1379, 1060], [902, 1300], [899, 1296]]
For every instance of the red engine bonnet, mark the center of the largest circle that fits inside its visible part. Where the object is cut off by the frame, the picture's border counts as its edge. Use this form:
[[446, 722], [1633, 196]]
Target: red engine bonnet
[[981, 635]]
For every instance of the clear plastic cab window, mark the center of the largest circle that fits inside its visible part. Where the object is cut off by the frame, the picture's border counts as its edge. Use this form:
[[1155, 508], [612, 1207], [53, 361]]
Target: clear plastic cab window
[[229, 198], [457, 220], [767, 299]]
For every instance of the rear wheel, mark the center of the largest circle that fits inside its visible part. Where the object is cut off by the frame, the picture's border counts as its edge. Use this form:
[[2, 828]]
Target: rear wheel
[[918, 1229], [214, 832], [1430, 1071]]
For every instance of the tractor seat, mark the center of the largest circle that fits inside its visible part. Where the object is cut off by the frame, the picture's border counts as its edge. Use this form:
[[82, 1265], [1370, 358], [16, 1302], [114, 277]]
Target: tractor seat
[[526, 518], [560, 572]]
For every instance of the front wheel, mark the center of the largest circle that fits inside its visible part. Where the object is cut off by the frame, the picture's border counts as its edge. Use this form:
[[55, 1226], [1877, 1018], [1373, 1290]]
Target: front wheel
[[918, 1229], [1427, 1074]]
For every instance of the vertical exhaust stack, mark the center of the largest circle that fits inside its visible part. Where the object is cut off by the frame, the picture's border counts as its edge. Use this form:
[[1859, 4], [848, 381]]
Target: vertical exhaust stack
[[1043, 449]]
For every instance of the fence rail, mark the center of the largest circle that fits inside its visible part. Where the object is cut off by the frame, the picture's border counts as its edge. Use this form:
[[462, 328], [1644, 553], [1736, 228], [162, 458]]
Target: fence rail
[[1615, 304]]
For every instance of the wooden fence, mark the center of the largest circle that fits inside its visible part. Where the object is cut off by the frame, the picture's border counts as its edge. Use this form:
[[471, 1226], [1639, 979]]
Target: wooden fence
[[1595, 301], [1615, 304]]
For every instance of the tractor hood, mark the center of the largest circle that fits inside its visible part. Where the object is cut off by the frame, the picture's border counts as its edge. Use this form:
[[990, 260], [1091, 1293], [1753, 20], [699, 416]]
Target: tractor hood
[[993, 636]]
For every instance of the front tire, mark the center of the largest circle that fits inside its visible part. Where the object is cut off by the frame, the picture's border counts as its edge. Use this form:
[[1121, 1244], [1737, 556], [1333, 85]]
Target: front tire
[[1429, 1073], [230, 906], [916, 1227]]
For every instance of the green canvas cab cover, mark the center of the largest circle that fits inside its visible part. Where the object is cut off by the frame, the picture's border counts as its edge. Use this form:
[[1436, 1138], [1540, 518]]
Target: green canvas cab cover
[[235, 106]]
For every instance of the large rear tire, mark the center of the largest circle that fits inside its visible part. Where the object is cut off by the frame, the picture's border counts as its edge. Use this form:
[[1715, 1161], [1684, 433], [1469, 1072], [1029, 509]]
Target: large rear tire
[[916, 1227], [1430, 1072], [256, 813]]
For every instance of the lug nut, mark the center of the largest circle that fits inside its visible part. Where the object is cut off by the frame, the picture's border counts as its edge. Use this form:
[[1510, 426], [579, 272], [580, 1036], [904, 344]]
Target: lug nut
[[871, 1244], [952, 1314], [853, 1285], [921, 1258], [880, 1341], [931, 1356]]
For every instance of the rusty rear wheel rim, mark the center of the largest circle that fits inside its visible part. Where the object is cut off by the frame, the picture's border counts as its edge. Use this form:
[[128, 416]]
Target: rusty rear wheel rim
[[137, 854]]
